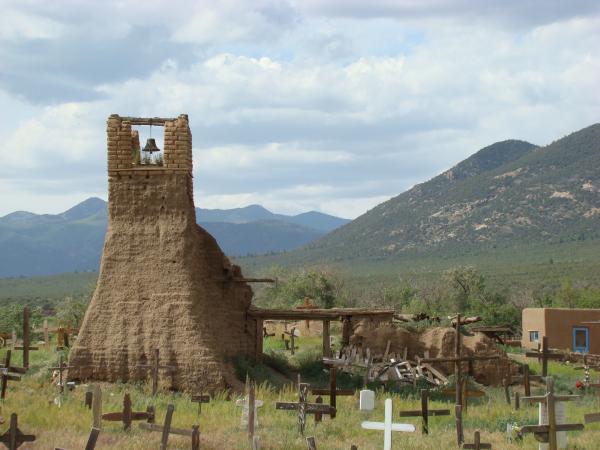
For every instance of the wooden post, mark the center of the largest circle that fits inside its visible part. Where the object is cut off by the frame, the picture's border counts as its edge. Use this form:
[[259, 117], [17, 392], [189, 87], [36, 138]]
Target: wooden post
[[506, 390], [97, 407], [155, 367], [333, 391], [164, 441], [459, 427], [259, 340], [526, 381], [346, 330], [251, 408], [310, 443], [550, 405], [326, 339], [89, 397], [457, 366], [477, 444], [545, 359], [517, 401]]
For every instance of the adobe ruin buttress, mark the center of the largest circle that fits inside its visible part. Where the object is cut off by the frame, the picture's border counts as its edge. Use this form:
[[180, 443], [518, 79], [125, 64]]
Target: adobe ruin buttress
[[163, 282]]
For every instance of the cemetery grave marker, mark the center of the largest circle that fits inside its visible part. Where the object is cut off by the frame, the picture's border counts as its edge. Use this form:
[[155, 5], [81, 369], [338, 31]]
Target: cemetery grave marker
[[544, 355], [465, 394], [25, 347], [303, 407], [7, 373], [127, 416], [460, 436], [387, 426], [200, 398], [367, 400], [13, 438], [547, 432], [526, 379], [60, 368], [593, 417], [477, 444], [155, 366], [91, 442], [89, 397], [332, 392], [290, 344], [167, 430], [250, 407], [425, 412]]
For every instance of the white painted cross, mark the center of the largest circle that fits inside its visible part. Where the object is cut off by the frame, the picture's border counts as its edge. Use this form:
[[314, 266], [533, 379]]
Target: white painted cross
[[387, 426]]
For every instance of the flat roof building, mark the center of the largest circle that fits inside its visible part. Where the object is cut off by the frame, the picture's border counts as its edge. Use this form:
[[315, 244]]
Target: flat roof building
[[576, 330]]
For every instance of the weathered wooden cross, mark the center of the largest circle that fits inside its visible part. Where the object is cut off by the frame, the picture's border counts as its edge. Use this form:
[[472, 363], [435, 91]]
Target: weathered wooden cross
[[477, 444], [303, 407], [166, 430], [13, 438], [290, 344], [458, 359], [593, 417], [332, 392], [387, 426], [200, 398], [425, 412], [465, 394], [250, 407], [91, 442], [7, 373], [526, 378], [460, 436], [544, 355], [60, 369], [127, 416], [155, 366], [547, 433], [26, 339]]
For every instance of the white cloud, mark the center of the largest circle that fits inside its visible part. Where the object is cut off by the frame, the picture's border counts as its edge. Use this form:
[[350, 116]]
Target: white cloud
[[301, 106]]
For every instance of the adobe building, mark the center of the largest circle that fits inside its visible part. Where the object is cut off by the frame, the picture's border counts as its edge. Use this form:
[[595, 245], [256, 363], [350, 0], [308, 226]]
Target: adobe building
[[576, 330], [164, 282]]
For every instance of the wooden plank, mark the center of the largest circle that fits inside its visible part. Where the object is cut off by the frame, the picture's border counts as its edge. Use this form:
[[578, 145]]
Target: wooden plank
[[164, 441], [159, 428]]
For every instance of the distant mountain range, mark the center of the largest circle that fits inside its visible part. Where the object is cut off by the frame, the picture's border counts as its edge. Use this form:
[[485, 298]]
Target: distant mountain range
[[508, 194], [43, 244]]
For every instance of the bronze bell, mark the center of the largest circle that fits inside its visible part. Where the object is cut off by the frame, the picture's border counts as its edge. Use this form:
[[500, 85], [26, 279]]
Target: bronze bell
[[150, 146]]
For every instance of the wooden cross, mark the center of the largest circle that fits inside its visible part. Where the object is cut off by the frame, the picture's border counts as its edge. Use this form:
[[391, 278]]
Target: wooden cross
[[200, 398], [526, 379], [155, 366], [250, 407], [425, 412], [13, 438], [290, 344], [89, 397], [465, 394], [312, 445], [593, 417], [91, 443], [127, 415], [266, 334], [167, 430], [458, 359], [97, 407], [303, 407], [332, 392], [544, 355], [387, 426], [25, 347], [477, 444], [547, 433], [6, 375], [60, 369]]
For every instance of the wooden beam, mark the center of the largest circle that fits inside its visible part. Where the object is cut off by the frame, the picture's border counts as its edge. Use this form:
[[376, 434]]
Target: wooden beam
[[319, 314], [160, 121]]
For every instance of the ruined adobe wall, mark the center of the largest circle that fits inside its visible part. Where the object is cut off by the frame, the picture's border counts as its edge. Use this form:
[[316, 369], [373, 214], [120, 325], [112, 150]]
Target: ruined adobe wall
[[161, 282]]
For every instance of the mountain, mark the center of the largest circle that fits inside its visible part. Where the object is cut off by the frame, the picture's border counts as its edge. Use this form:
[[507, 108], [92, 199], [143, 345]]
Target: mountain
[[508, 194], [43, 244], [256, 213]]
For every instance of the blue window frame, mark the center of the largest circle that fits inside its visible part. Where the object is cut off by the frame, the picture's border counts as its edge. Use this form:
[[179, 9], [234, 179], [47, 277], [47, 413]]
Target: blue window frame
[[534, 336], [581, 339]]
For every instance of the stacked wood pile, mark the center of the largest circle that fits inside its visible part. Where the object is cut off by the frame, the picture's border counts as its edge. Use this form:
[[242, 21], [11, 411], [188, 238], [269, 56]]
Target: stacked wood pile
[[386, 367]]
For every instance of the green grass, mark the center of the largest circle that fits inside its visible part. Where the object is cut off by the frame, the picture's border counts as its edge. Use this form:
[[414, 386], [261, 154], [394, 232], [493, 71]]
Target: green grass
[[34, 400]]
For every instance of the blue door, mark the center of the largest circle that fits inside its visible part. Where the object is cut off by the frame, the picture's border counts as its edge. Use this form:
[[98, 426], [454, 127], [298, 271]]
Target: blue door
[[581, 339]]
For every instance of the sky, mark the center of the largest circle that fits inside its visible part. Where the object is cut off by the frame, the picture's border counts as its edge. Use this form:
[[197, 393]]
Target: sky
[[333, 106]]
